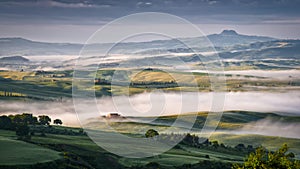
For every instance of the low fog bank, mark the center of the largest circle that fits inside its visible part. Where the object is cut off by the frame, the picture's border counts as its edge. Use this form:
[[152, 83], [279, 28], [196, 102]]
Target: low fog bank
[[266, 127], [51, 58], [157, 104], [62, 110], [154, 104], [269, 127], [275, 74]]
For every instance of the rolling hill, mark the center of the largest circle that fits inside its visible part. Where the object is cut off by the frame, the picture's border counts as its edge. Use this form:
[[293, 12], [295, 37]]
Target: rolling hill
[[20, 46]]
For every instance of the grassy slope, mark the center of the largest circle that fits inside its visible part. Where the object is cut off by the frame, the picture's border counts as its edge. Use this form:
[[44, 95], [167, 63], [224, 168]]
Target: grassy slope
[[14, 152], [187, 155], [230, 120], [83, 146], [270, 142]]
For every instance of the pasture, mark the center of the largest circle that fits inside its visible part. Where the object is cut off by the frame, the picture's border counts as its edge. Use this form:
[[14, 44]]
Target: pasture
[[15, 152], [81, 150]]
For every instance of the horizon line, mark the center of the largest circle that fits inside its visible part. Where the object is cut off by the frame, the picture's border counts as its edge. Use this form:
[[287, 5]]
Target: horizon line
[[69, 42]]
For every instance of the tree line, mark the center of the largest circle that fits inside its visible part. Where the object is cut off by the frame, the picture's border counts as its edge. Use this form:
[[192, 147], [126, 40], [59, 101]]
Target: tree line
[[193, 140], [21, 123]]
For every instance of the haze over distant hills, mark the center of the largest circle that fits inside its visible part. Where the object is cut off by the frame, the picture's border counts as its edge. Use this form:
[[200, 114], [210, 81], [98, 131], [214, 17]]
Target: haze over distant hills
[[229, 45], [20, 46]]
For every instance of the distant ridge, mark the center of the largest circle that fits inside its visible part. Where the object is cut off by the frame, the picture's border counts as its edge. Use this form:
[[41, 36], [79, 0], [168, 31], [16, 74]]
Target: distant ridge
[[13, 39], [14, 59], [231, 37], [19, 46]]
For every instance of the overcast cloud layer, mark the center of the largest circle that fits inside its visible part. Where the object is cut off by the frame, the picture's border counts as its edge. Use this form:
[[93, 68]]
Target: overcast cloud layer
[[76, 20]]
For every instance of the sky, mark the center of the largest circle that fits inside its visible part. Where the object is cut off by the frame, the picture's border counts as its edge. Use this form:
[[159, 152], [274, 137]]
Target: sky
[[76, 20]]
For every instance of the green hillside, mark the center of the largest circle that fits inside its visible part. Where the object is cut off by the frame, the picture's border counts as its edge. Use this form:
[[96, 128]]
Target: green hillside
[[15, 152]]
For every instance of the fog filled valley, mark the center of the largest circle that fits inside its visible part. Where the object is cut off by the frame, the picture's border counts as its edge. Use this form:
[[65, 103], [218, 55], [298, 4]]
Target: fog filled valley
[[150, 105], [240, 94]]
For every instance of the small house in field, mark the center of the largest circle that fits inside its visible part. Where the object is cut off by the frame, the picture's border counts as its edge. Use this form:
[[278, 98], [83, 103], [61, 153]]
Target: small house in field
[[113, 115]]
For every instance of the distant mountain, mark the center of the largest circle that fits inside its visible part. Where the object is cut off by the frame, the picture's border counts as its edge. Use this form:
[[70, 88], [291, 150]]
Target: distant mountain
[[14, 59], [20, 46], [231, 37], [226, 38], [229, 33]]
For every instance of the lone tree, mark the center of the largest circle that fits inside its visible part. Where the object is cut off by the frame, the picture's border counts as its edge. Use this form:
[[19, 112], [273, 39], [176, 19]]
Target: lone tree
[[44, 120], [58, 121], [262, 159], [151, 133]]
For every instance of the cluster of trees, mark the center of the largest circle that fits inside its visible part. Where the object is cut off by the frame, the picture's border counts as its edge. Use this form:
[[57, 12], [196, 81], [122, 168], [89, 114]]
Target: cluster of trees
[[196, 141], [264, 159], [7, 122], [11, 93], [7, 94], [100, 81], [54, 130], [201, 164], [21, 123], [154, 84], [207, 165], [151, 133]]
